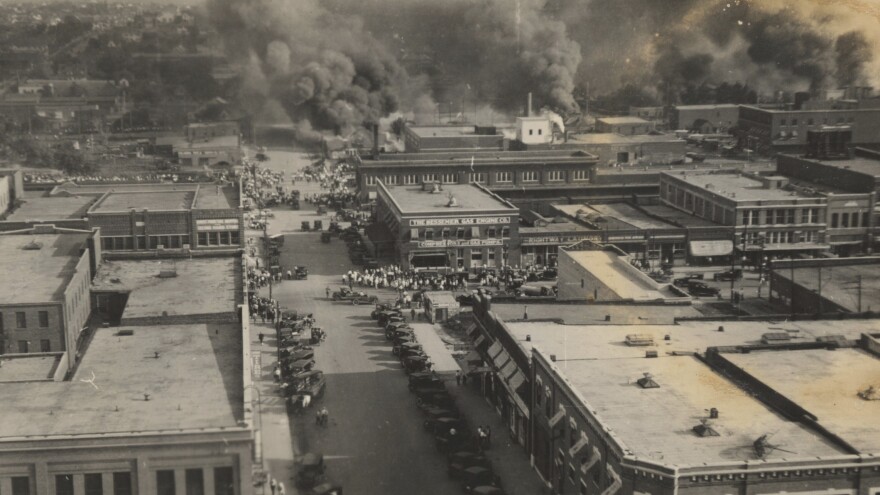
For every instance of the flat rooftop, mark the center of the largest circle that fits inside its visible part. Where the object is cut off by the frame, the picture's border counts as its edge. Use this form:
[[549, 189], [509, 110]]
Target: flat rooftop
[[676, 216], [706, 107], [213, 197], [594, 314], [622, 120], [609, 269], [607, 341], [613, 138], [736, 187], [479, 157], [624, 215], [210, 285], [116, 202], [38, 275], [27, 367], [429, 131], [866, 166], [470, 198], [39, 207], [840, 284], [825, 383], [656, 423], [196, 382], [81, 189]]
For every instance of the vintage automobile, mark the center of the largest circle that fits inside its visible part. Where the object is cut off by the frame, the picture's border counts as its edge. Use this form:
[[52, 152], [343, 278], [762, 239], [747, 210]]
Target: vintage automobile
[[311, 471], [322, 210], [383, 311], [486, 490], [450, 434], [401, 331], [475, 476], [459, 461], [414, 364], [356, 297], [404, 354], [437, 400], [436, 425], [404, 347], [683, 281], [300, 273], [396, 323], [403, 337], [326, 237], [434, 413], [728, 275], [309, 383], [419, 380], [535, 291], [327, 489], [699, 289], [305, 226], [285, 354], [296, 367], [317, 225]]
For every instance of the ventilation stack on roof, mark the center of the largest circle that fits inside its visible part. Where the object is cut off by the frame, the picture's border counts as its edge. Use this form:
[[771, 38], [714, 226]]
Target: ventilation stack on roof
[[647, 381], [704, 429]]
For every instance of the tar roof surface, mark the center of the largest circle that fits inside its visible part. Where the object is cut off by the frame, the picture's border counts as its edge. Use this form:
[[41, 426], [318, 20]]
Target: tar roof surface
[[622, 120], [196, 382], [745, 188], [677, 217], [444, 131], [840, 284], [657, 423], [153, 201], [470, 198], [210, 285], [38, 275], [613, 138], [864, 165], [52, 207], [594, 314], [620, 211], [825, 383], [27, 367]]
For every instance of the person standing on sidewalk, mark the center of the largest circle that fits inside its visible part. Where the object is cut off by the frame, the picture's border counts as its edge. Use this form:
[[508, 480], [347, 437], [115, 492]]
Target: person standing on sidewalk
[[273, 485], [327, 291], [457, 376]]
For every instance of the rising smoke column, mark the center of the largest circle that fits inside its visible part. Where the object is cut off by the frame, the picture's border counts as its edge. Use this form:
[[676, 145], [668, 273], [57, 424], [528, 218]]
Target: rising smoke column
[[323, 69]]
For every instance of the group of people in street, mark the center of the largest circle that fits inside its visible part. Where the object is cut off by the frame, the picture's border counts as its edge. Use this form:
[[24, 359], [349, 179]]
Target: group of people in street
[[322, 417], [262, 307], [394, 277]]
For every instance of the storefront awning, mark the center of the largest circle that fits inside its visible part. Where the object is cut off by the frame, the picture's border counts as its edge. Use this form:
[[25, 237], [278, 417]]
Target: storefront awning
[[508, 370], [495, 349], [516, 380], [502, 360], [371, 195], [711, 248], [475, 232]]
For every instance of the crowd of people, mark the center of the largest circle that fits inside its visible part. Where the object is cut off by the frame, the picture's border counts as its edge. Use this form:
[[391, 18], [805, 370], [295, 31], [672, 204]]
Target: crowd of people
[[394, 277], [262, 308], [45, 178]]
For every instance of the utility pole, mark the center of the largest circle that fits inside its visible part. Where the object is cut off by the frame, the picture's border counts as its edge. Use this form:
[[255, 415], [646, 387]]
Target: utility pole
[[820, 289], [791, 290], [860, 293]]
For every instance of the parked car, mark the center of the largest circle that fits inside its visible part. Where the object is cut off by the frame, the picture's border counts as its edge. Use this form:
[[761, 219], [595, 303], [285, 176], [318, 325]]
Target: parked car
[[311, 471], [475, 476], [459, 461], [356, 297], [728, 275], [700, 289], [684, 281], [429, 380]]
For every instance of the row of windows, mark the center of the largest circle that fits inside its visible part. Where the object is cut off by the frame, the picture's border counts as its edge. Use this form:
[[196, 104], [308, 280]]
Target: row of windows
[[786, 237], [459, 233], [24, 346], [223, 238], [811, 121], [477, 177], [224, 483], [845, 220], [141, 242], [21, 319], [781, 216]]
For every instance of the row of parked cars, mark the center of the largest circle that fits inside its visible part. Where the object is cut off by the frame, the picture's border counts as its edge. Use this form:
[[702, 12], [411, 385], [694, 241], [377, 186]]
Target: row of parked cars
[[452, 436], [695, 286]]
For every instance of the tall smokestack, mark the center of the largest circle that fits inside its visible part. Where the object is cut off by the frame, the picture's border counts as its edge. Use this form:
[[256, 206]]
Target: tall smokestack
[[529, 106]]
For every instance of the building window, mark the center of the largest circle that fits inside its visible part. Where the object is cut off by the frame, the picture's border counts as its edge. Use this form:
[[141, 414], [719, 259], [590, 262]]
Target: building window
[[203, 238], [531, 132], [94, 484], [23, 347], [583, 175], [429, 178], [476, 255], [809, 121], [445, 234], [556, 175], [789, 216], [122, 483], [504, 177], [530, 176], [477, 178], [391, 180], [195, 482], [233, 238], [490, 232], [844, 220], [783, 122], [20, 319], [864, 224], [505, 232], [794, 122], [165, 482], [371, 180], [410, 179], [224, 481], [63, 484], [429, 234], [450, 178], [540, 131], [43, 317], [45, 345], [459, 233], [834, 220], [21, 485]]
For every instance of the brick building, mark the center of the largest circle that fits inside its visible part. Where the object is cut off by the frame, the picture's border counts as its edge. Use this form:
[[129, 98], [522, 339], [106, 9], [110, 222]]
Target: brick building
[[767, 130], [419, 139], [451, 227], [704, 119], [627, 126], [45, 303], [684, 408], [834, 285]]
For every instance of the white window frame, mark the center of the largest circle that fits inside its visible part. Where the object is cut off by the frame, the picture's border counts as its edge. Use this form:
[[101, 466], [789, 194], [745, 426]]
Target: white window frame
[[530, 176], [504, 177], [371, 180], [477, 178], [410, 179], [449, 178], [556, 175], [429, 178], [584, 175], [390, 180]]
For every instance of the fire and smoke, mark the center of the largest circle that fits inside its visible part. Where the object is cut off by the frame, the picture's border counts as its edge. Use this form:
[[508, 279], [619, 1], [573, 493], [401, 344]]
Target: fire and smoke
[[335, 64]]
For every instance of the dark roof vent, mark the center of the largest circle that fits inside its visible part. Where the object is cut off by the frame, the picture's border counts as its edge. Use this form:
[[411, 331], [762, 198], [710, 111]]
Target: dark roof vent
[[704, 429], [33, 246], [125, 332], [647, 381]]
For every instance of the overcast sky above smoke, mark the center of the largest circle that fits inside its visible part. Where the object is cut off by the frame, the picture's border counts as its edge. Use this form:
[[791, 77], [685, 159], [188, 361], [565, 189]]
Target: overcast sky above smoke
[[335, 64]]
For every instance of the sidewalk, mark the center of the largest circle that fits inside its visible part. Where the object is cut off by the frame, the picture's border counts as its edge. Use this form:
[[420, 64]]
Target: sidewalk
[[509, 459]]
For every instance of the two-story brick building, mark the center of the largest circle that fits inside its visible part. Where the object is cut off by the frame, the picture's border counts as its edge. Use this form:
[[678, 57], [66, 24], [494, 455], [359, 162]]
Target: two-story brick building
[[764, 129], [44, 304], [445, 226]]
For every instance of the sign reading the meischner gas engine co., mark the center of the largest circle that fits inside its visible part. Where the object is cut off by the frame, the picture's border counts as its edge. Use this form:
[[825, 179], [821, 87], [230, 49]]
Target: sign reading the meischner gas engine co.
[[427, 222]]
